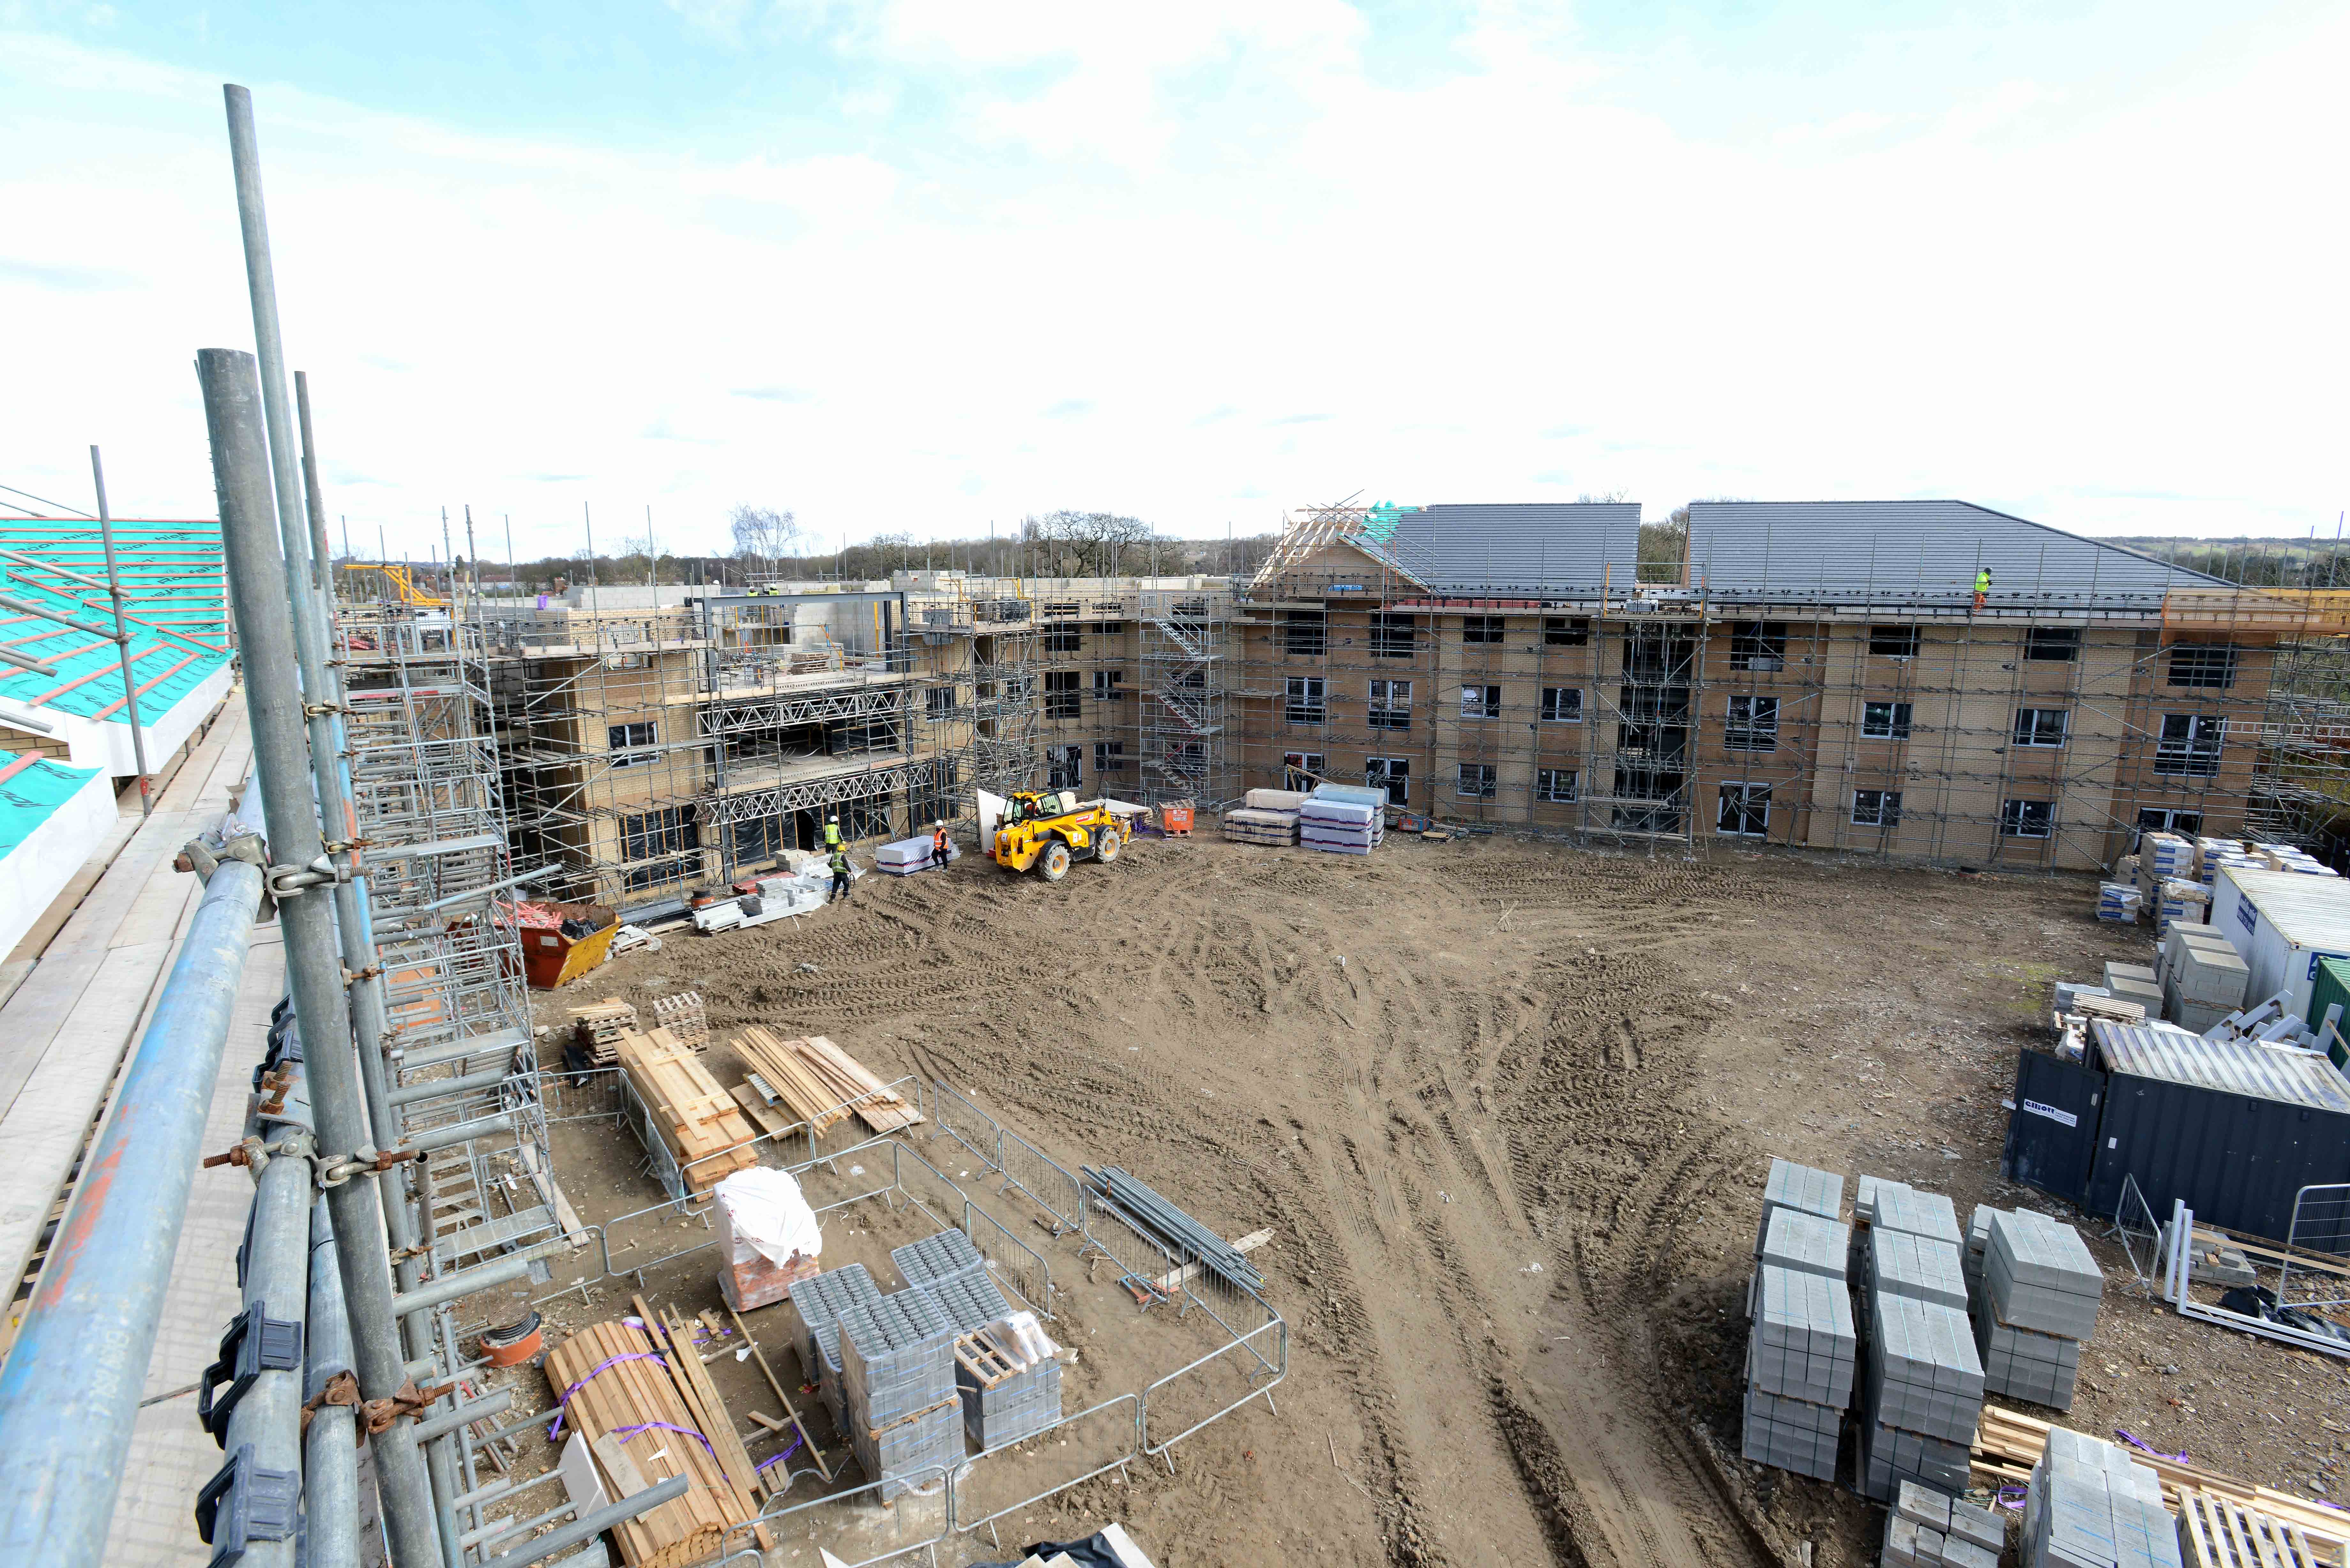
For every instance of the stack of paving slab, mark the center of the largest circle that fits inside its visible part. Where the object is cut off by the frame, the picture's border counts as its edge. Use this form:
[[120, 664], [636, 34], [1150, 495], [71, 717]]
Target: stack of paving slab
[[904, 857], [1928, 1528], [1801, 1349], [2035, 1301], [942, 1256], [949, 1269], [819, 1303], [1342, 827], [2203, 978], [2135, 982], [1923, 1388], [2090, 1505], [898, 1390], [1267, 817]]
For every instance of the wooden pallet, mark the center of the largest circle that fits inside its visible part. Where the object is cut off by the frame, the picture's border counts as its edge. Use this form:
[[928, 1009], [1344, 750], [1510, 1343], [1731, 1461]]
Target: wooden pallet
[[685, 1016], [985, 1359], [2221, 1533], [599, 1027], [696, 1118], [821, 1084], [2007, 1443]]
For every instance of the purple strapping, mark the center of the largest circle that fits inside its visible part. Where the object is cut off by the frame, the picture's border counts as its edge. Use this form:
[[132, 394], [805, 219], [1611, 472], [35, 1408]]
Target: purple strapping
[[779, 1458], [563, 1403], [2178, 1458], [625, 1433]]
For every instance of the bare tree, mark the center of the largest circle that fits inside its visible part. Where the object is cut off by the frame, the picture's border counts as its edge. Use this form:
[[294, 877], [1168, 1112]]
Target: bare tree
[[1081, 544], [763, 535]]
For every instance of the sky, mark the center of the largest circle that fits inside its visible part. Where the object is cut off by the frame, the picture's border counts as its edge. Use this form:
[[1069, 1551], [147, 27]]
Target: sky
[[927, 266]]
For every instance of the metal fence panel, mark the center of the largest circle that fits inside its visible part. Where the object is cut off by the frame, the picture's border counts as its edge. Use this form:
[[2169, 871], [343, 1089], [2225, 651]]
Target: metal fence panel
[[2321, 1225], [1021, 1266], [1047, 1184], [967, 1124]]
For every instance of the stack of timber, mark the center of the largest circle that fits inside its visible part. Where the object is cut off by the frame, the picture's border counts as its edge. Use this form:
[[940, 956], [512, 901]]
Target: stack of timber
[[2009, 1443], [685, 1016], [696, 1118], [599, 1026], [629, 1411], [821, 1083]]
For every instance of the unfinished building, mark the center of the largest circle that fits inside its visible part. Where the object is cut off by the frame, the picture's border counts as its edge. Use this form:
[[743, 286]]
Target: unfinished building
[[1812, 674]]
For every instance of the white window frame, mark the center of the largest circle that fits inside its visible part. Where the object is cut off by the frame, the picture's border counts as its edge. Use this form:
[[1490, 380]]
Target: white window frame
[[1481, 701], [632, 751], [1746, 796], [1109, 756], [2030, 740], [1388, 772], [1758, 731], [1389, 704], [1886, 812], [1895, 724], [1307, 701], [2194, 754], [2014, 819], [1489, 782], [1313, 763], [1108, 685], [1546, 786], [1555, 699]]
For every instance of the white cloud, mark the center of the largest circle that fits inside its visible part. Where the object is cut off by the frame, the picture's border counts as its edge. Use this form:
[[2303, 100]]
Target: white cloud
[[1200, 264]]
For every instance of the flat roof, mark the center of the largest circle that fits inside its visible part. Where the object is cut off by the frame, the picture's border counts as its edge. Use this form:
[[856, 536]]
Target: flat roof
[[2311, 911], [2230, 1066]]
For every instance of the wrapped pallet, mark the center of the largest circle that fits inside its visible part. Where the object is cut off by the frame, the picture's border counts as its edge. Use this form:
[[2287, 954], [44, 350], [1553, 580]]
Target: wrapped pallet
[[768, 1237]]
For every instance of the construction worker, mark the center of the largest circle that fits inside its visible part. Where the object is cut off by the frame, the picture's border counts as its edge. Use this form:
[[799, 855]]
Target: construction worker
[[832, 833], [1982, 586], [939, 845], [839, 873]]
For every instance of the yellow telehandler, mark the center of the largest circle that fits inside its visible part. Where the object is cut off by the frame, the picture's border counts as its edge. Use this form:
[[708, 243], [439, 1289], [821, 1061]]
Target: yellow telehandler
[[1047, 832]]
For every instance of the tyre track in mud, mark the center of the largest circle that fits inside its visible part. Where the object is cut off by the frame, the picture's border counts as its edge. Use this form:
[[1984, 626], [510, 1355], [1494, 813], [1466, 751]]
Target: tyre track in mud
[[1466, 1139]]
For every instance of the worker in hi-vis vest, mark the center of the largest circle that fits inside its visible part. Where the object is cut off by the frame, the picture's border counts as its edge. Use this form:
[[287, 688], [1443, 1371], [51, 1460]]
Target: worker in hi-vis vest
[[832, 833], [1982, 586]]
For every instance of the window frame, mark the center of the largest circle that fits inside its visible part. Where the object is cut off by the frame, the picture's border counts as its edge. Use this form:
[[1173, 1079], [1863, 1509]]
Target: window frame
[[1108, 685], [2029, 728], [1907, 634], [631, 752], [1758, 645], [1390, 770], [1315, 763], [1395, 633], [1489, 782], [1065, 766], [1487, 698], [1063, 637], [1294, 625], [1746, 796], [1552, 701], [1485, 630], [2192, 755], [1065, 700], [1546, 784], [1383, 710], [1305, 699], [2017, 815], [1109, 756], [1888, 808], [1898, 718], [1759, 732]]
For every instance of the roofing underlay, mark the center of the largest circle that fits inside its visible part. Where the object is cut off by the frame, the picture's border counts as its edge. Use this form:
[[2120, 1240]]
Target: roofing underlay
[[1535, 550], [31, 793], [1915, 553], [170, 574]]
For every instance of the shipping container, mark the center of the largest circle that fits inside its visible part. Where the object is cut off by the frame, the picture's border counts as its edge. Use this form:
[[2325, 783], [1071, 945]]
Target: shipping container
[[2331, 989], [2284, 924]]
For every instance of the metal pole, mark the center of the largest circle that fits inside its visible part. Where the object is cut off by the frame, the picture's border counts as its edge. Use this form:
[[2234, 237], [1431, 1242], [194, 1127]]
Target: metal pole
[[545, 1546], [265, 619], [330, 1471], [73, 1379], [276, 1286], [122, 636]]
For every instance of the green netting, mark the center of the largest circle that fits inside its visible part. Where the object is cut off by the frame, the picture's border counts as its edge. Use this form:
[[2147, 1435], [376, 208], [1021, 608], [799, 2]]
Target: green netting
[[1380, 522], [170, 574], [26, 800]]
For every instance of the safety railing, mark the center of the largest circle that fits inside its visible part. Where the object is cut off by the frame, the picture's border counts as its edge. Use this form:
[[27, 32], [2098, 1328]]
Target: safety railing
[[2139, 1233], [1046, 1183], [967, 1124], [740, 1544], [2312, 1272], [1016, 1262], [1109, 1433], [1238, 1369]]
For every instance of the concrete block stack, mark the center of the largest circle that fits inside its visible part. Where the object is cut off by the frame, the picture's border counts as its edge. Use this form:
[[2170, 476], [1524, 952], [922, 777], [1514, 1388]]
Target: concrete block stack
[[818, 1303], [1801, 1189], [1915, 1267], [942, 1256], [1341, 827], [2135, 982], [2203, 978], [2090, 1505], [1800, 1361], [898, 1389], [1921, 1398], [1803, 1242], [1009, 1379], [1890, 1204], [1927, 1529], [2036, 1304]]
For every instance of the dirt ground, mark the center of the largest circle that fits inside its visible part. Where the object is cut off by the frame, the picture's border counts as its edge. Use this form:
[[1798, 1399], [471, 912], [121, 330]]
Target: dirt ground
[[1507, 1107]]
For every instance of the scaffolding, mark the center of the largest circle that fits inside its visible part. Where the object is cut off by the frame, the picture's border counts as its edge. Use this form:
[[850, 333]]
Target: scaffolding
[[1186, 644]]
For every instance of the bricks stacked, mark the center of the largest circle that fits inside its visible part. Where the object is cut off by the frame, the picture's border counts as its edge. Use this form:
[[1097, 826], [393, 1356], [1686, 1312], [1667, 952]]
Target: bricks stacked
[[898, 1389], [937, 1257], [1922, 1397], [1000, 1408], [1926, 1528], [2090, 1505], [2035, 1303], [819, 1302]]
